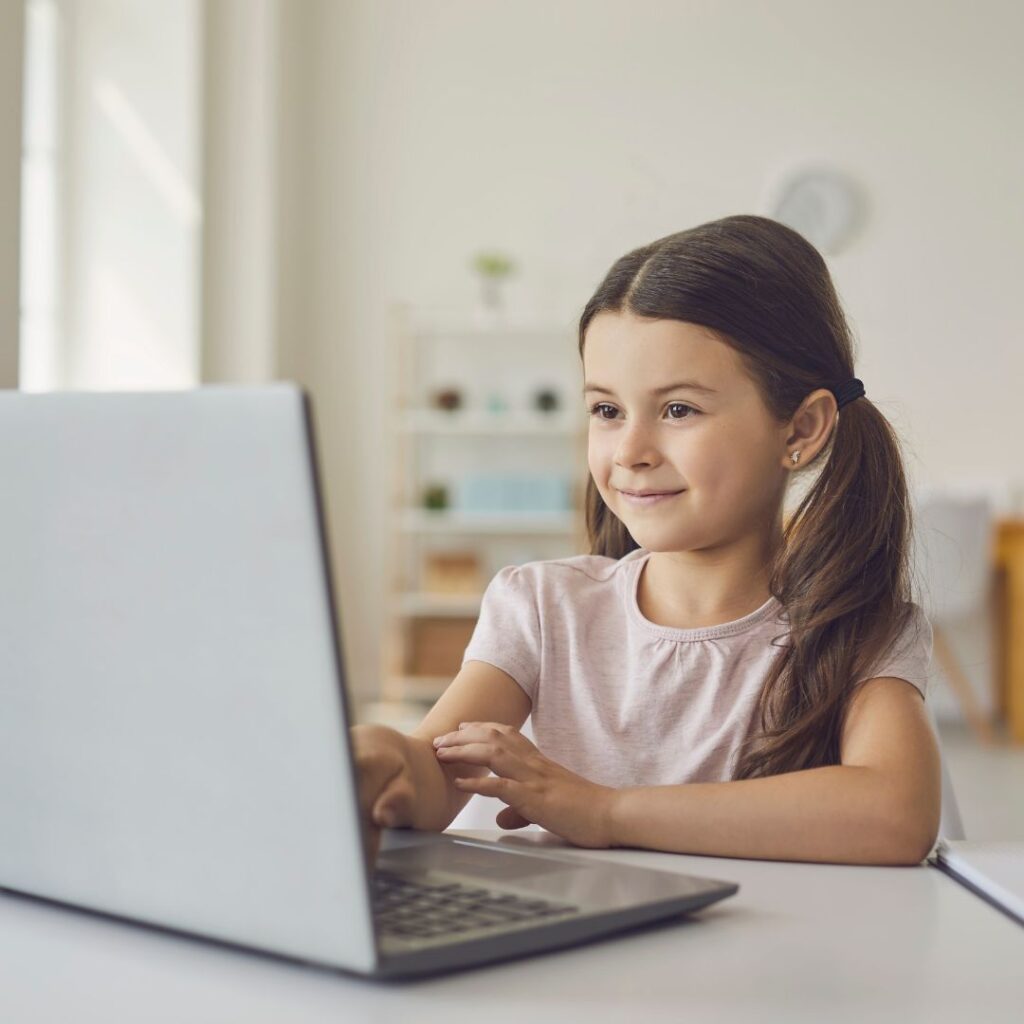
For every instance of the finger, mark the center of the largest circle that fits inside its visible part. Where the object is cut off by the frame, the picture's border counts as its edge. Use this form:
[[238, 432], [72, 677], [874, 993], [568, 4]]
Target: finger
[[395, 806], [498, 759], [477, 732], [488, 785], [374, 776], [509, 817]]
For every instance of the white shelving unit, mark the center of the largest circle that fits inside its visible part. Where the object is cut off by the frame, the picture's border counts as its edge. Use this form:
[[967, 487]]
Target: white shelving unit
[[484, 359]]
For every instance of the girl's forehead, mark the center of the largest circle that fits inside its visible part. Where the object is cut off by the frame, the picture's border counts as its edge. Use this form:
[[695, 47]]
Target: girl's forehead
[[628, 347]]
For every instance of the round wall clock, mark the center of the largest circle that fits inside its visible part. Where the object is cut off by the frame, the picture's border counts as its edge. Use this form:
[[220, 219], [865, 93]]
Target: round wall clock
[[824, 205]]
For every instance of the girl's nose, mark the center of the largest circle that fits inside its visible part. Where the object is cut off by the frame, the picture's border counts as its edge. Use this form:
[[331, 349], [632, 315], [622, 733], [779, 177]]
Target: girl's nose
[[636, 447]]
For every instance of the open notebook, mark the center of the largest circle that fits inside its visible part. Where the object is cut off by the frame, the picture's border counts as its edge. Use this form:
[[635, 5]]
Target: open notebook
[[993, 869]]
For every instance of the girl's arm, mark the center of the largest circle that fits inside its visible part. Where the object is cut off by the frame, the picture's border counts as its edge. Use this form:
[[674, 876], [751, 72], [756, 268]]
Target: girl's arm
[[881, 805]]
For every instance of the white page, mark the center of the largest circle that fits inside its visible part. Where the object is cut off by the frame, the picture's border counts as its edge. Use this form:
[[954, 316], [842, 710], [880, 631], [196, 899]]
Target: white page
[[995, 867]]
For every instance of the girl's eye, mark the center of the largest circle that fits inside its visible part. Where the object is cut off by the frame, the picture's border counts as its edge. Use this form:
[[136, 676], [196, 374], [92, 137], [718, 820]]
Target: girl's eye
[[676, 411], [681, 405]]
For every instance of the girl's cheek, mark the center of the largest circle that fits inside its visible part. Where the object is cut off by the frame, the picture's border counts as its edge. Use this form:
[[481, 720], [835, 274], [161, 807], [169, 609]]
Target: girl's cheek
[[598, 463]]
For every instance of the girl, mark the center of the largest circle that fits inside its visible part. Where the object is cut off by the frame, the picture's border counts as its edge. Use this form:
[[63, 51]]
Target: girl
[[713, 678]]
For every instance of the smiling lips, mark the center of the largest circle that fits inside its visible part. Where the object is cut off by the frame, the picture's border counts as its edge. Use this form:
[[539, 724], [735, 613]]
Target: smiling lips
[[648, 497]]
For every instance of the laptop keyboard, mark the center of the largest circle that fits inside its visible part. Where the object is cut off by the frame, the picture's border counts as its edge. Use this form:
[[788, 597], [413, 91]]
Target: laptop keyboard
[[411, 909]]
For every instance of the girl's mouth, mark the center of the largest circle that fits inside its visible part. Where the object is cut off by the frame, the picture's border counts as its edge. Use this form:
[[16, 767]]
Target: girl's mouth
[[648, 499]]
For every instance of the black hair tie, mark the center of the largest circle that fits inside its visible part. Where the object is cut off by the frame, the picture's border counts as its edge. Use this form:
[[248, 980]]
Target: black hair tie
[[848, 392]]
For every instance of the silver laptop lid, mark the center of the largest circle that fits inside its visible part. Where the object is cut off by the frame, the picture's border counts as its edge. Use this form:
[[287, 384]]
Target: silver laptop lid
[[172, 710]]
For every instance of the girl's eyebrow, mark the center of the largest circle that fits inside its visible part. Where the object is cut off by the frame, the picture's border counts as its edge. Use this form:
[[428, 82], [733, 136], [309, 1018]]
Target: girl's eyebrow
[[682, 385]]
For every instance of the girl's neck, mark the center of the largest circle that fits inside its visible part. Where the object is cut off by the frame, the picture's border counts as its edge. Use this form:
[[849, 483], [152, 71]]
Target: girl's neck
[[698, 589]]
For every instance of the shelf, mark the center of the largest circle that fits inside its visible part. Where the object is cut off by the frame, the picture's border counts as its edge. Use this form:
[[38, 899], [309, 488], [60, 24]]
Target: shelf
[[430, 421], [416, 520], [427, 604], [511, 475]]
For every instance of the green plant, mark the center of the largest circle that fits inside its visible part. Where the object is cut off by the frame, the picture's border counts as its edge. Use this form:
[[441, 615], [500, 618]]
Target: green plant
[[435, 496], [493, 264]]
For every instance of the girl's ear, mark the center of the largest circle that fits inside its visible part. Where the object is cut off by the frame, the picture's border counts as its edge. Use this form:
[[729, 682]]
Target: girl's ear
[[810, 428]]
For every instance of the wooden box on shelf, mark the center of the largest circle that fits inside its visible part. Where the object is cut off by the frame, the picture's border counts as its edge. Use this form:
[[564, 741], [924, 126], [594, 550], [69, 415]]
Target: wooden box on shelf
[[452, 573], [437, 645]]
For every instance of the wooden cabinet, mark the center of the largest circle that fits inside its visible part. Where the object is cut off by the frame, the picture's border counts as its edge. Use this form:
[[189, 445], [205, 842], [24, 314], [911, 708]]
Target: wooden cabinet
[[1009, 567]]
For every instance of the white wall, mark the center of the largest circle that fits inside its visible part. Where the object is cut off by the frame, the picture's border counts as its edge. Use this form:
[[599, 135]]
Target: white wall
[[12, 14], [240, 115], [132, 208], [571, 132]]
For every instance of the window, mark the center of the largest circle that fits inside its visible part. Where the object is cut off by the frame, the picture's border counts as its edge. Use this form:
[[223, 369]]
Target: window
[[111, 216], [40, 188]]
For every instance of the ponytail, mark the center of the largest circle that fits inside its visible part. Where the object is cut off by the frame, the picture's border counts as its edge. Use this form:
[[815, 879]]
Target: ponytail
[[842, 576]]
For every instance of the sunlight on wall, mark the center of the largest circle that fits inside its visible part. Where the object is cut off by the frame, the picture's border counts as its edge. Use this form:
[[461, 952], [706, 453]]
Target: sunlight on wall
[[112, 216], [153, 162]]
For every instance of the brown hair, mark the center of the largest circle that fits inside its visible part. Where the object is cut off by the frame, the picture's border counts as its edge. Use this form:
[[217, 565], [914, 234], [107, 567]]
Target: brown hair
[[842, 571]]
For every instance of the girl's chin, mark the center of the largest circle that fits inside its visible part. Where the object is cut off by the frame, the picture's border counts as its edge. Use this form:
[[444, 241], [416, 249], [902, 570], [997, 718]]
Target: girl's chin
[[657, 531]]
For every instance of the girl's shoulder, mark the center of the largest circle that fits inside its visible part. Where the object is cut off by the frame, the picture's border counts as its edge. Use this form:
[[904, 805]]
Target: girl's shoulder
[[555, 577], [917, 629]]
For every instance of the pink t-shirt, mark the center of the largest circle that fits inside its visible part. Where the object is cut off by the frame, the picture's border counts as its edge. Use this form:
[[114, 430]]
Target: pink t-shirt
[[623, 701]]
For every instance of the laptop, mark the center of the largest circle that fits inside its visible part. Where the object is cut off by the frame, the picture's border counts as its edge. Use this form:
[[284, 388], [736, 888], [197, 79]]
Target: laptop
[[174, 715], [992, 869]]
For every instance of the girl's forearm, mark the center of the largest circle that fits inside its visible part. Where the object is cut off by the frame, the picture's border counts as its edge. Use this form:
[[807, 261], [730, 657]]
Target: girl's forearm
[[840, 814]]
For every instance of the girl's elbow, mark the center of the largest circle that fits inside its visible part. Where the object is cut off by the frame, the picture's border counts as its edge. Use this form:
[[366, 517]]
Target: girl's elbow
[[926, 841], [911, 852], [915, 835]]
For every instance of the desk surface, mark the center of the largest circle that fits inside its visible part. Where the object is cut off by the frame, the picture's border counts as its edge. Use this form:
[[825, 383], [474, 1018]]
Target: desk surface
[[798, 942]]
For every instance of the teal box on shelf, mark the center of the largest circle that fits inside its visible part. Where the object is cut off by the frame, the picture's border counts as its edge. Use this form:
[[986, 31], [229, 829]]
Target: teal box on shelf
[[488, 493]]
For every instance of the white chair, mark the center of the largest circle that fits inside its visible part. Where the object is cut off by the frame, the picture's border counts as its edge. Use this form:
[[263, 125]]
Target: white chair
[[952, 562]]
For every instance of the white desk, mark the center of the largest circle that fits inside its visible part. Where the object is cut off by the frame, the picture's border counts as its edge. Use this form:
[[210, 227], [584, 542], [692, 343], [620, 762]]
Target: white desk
[[798, 942]]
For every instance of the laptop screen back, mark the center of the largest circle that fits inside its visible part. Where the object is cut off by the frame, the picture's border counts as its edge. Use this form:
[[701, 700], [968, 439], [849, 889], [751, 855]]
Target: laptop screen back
[[172, 710]]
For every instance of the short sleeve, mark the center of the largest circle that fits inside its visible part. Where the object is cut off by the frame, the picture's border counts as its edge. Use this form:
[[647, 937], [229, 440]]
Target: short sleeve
[[507, 632], [910, 654]]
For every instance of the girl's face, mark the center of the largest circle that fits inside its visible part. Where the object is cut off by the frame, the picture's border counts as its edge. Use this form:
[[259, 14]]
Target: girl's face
[[672, 409]]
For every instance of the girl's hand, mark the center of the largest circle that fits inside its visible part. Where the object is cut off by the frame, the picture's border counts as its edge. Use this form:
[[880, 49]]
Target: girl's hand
[[386, 788], [536, 789]]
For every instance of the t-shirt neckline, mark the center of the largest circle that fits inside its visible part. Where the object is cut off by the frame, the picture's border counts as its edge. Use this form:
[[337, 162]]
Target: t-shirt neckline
[[639, 557]]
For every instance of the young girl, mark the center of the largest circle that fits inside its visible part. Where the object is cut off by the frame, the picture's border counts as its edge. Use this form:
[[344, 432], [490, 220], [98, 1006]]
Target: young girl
[[713, 678]]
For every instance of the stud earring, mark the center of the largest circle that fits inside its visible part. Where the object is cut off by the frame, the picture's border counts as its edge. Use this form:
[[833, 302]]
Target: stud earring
[[795, 456]]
